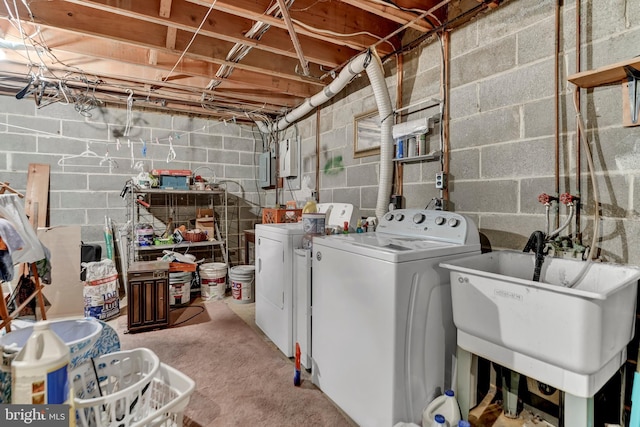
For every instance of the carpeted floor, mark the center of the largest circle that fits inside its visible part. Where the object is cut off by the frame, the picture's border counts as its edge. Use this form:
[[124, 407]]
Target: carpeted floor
[[241, 378]]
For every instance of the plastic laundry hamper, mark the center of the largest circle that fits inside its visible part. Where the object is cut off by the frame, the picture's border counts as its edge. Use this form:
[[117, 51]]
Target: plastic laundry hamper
[[134, 390]]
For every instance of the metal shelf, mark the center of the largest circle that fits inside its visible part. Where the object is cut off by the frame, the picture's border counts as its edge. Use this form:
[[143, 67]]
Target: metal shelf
[[181, 245], [169, 208]]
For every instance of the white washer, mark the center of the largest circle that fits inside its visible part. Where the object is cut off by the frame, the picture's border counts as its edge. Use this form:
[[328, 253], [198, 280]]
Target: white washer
[[383, 335]]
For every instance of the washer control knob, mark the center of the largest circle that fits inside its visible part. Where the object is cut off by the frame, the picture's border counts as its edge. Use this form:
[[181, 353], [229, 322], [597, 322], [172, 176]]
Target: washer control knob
[[399, 217], [418, 218], [439, 220], [453, 222], [388, 216]]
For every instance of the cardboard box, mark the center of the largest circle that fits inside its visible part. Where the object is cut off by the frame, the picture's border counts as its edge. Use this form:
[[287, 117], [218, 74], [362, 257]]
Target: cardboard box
[[204, 221], [277, 216]]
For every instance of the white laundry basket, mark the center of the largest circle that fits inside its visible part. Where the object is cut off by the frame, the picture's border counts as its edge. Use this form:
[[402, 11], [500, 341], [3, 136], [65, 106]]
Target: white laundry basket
[[133, 389]]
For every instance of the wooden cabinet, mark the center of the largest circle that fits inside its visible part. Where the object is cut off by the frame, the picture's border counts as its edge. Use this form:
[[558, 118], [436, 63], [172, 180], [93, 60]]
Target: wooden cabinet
[[148, 295]]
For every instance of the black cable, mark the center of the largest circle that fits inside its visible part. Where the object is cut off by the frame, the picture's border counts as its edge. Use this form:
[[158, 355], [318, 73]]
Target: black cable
[[536, 243], [411, 45], [186, 320]]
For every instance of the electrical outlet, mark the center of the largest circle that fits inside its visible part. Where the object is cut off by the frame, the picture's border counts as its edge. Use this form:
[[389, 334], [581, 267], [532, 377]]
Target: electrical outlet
[[441, 180]]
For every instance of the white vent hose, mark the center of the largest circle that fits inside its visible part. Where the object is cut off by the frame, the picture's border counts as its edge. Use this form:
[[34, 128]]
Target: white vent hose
[[383, 100]]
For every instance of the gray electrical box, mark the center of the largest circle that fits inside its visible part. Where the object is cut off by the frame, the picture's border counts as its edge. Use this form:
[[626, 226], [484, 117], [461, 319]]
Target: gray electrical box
[[266, 170]]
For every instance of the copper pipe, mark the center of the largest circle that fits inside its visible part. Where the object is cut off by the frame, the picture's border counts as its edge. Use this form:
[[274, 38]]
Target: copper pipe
[[556, 102], [578, 131], [445, 89], [318, 153]]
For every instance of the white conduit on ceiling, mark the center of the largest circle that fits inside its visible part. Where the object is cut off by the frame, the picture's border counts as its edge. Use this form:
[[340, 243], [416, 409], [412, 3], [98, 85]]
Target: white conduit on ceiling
[[375, 73]]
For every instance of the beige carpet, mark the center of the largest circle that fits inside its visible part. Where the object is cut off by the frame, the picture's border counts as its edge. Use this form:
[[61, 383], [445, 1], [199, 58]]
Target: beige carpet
[[241, 380]]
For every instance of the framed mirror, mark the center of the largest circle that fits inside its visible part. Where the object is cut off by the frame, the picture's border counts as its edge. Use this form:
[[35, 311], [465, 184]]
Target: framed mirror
[[366, 134]]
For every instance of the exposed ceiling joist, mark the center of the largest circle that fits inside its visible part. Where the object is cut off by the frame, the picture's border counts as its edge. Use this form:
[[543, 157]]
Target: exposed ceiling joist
[[173, 59]]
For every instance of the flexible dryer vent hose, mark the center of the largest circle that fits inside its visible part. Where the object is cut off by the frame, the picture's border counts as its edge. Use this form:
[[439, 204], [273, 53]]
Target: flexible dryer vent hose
[[370, 62]]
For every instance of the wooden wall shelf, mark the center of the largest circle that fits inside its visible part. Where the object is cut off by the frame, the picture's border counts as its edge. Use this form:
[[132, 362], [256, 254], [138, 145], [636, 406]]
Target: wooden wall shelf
[[613, 73]]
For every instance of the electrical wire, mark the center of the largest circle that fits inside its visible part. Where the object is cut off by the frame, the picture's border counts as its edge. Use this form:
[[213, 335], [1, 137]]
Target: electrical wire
[[200, 311], [332, 33], [184, 52]]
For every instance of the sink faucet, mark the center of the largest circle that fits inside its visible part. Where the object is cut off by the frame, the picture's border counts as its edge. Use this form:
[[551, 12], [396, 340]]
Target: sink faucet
[[538, 240]]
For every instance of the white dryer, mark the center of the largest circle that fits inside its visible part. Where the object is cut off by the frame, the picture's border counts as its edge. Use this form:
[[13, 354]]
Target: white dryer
[[278, 304], [274, 255], [383, 335]]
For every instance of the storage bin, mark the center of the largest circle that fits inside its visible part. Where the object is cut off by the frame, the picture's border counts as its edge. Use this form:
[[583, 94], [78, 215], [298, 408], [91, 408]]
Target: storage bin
[[277, 216]]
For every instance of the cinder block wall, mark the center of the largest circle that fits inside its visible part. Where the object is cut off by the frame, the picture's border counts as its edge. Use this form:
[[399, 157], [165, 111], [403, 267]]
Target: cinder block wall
[[82, 191], [503, 125]]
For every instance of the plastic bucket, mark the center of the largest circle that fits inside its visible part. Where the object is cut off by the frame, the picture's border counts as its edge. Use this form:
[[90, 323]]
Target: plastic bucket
[[241, 278], [179, 288], [144, 235], [211, 275]]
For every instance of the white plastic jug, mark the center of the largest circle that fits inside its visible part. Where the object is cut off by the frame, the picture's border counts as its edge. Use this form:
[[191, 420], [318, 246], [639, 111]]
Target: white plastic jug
[[40, 371], [446, 405]]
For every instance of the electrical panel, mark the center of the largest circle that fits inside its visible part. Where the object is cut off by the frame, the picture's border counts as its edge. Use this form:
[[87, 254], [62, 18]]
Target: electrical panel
[[288, 152], [266, 170]]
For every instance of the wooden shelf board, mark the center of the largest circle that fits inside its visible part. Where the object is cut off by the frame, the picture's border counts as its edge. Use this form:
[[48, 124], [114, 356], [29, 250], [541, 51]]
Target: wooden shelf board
[[613, 73]]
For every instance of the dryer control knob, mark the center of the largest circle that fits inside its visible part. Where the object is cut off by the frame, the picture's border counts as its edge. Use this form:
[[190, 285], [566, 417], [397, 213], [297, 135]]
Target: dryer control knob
[[418, 218], [399, 217], [388, 216], [453, 222], [440, 220]]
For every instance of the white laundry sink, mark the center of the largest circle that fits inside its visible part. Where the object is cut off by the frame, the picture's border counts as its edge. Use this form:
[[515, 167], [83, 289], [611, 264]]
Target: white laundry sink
[[571, 338]]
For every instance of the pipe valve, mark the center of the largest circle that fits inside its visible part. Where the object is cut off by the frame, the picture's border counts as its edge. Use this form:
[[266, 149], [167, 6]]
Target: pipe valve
[[567, 199], [546, 199]]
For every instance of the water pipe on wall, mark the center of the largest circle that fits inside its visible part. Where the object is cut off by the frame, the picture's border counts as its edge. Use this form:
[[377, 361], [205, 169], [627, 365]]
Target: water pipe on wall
[[371, 63]]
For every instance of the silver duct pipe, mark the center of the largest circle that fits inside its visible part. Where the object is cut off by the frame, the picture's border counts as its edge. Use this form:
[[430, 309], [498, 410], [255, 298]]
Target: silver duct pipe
[[383, 100]]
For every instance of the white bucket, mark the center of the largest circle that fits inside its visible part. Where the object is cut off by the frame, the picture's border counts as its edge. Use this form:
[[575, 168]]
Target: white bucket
[[211, 275], [241, 278], [179, 293]]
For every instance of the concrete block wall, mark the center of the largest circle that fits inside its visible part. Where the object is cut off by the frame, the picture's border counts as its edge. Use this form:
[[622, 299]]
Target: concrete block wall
[[502, 127], [82, 190]]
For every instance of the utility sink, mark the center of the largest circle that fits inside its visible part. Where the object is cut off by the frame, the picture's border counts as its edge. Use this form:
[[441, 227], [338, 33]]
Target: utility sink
[[573, 339]]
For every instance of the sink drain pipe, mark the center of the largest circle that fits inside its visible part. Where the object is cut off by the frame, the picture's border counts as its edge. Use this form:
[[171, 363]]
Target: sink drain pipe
[[371, 63]]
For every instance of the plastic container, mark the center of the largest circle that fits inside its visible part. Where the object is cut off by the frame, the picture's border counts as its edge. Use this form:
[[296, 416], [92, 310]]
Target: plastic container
[[113, 390], [40, 371], [241, 278], [463, 423], [212, 276], [179, 288], [446, 405], [310, 206], [144, 234], [440, 421]]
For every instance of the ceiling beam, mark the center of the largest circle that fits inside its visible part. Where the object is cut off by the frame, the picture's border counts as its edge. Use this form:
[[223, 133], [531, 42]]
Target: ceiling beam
[[62, 14], [391, 13], [165, 9], [338, 22], [220, 25]]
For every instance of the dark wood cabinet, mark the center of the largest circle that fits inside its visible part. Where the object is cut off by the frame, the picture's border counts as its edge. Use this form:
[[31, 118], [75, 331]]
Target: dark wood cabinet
[[148, 295]]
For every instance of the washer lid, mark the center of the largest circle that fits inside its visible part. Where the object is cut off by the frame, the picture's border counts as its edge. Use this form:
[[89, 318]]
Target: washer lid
[[390, 247]]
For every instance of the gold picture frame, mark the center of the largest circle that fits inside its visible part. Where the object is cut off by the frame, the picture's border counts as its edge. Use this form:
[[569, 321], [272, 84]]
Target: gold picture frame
[[366, 134]]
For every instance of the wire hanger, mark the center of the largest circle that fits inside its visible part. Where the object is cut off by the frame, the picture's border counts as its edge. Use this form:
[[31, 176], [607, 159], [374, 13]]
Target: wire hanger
[[87, 153], [172, 153]]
